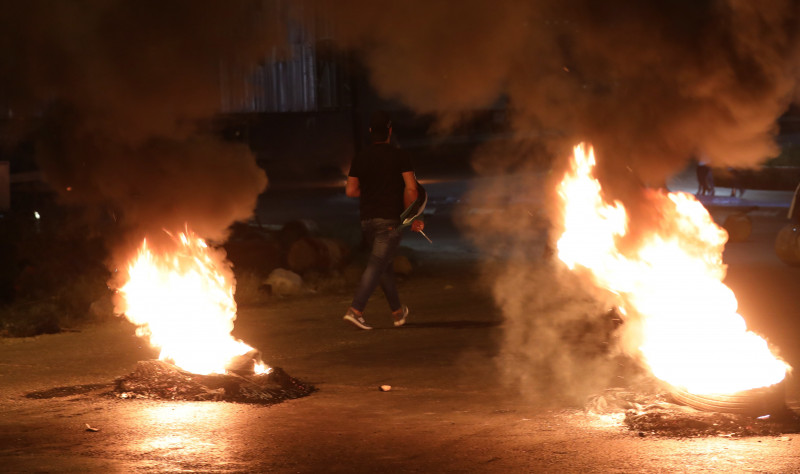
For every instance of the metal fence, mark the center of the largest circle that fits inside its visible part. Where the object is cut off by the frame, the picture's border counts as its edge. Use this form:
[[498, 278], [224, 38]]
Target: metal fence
[[307, 74]]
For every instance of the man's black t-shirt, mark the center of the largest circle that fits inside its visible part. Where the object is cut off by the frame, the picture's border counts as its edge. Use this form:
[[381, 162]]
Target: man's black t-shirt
[[379, 168]]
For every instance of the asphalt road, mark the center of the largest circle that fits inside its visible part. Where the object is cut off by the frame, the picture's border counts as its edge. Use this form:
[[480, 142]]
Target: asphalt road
[[449, 409]]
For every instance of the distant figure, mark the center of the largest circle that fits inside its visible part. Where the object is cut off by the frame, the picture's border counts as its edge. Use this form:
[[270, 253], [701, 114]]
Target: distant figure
[[705, 179], [736, 182], [382, 176]]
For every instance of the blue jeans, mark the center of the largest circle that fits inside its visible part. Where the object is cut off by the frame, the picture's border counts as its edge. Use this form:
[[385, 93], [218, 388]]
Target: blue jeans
[[383, 236]]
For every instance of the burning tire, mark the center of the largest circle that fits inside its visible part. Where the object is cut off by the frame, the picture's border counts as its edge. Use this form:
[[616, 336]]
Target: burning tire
[[755, 402]]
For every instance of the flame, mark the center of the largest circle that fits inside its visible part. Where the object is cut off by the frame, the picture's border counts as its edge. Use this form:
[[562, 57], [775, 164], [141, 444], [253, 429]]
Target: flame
[[184, 305], [685, 320]]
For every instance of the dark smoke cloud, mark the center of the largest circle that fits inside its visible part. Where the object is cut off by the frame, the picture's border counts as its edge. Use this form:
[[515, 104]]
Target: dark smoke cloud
[[159, 184], [117, 89], [649, 83], [136, 69]]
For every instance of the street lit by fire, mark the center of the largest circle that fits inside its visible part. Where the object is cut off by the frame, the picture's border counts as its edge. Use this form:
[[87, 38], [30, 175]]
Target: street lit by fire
[[682, 319], [182, 302]]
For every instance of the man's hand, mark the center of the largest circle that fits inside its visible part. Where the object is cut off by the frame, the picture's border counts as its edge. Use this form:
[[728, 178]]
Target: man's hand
[[417, 226]]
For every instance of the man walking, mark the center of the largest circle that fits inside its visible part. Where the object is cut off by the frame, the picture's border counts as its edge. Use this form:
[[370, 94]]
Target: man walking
[[382, 176]]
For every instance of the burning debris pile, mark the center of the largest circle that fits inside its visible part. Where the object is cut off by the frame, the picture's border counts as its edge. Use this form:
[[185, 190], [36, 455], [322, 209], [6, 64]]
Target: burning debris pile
[[680, 322], [159, 380], [654, 411], [181, 298]]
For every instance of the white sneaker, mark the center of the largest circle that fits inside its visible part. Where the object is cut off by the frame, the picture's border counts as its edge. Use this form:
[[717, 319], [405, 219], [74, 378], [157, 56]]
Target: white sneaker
[[357, 320], [400, 320]]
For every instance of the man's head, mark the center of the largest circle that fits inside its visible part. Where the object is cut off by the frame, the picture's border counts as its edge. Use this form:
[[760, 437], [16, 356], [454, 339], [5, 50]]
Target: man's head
[[380, 126]]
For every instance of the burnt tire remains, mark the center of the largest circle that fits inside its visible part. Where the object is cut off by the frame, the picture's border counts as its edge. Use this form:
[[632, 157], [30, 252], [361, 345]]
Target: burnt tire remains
[[155, 379]]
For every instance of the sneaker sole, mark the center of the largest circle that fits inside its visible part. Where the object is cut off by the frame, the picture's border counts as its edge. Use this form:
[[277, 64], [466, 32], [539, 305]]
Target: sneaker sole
[[356, 322]]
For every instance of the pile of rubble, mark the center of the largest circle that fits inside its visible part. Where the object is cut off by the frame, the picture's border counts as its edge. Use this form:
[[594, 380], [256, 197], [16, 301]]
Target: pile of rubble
[[294, 259]]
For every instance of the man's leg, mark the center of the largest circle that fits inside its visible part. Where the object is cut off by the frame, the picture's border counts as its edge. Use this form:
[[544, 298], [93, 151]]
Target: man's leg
[[701, 180], [385, 242], [389, 287]]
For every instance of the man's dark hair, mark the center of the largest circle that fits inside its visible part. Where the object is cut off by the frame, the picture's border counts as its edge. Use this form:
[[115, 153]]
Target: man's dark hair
[[379, 125]]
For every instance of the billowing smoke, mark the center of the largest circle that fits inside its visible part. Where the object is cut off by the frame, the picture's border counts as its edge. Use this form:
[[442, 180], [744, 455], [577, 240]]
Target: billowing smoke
[[651, 85], [120, 96], [560, 338]]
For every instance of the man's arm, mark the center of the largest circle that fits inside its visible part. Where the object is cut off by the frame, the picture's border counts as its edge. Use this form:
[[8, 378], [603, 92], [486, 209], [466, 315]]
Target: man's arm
[[353, 188], [410, 194]]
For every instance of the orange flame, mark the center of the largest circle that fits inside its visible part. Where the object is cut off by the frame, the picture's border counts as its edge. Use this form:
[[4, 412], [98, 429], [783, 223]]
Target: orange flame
[[184, 305], [687, 329]]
